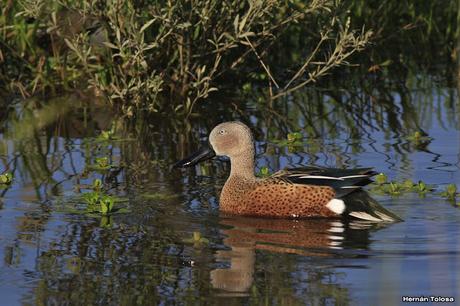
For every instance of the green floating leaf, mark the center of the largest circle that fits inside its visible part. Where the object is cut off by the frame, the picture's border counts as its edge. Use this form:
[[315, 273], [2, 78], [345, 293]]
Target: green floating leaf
[[419, 137], [264, 172], [97, 185], [106, 203], [92, 199], [451, 189], [103, 204], [247, 87], [106, 222], [450, 192], [197, 240], [422, 188], [408, 184], [105, 135], [292, 140], [394, 188], [6, 178], [196, 236], [293, 137], [109, 135], [102, 162], [381, 178]]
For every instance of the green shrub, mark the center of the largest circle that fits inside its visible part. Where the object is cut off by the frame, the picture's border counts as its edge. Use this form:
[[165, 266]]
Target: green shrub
[[166, 55]]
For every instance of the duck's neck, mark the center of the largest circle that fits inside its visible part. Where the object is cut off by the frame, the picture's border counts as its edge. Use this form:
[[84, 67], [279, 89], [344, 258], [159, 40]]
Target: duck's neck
[[243, 166]]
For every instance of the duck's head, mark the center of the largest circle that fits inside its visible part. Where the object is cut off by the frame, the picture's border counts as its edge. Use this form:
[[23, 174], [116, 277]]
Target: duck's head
[[232, 139]]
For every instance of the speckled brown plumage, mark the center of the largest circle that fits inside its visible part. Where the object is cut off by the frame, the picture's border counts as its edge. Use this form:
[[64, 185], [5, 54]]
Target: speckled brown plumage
[[274, 197]]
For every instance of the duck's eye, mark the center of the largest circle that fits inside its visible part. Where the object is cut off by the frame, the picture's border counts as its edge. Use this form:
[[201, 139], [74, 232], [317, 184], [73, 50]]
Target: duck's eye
[[222, 132]]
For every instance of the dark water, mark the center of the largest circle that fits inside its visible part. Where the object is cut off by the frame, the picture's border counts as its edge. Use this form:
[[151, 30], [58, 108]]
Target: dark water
[[54, 254]]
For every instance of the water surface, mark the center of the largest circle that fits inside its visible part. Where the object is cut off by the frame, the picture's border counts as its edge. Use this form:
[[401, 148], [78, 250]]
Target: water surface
[[53, 255]]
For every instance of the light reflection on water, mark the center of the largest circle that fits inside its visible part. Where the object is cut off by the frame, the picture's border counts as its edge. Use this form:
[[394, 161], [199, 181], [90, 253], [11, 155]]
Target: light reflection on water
[[145, 257]]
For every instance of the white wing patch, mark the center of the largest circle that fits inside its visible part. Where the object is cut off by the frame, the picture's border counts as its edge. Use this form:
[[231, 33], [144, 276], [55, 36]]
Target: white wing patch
[[384, 217], [364, 216], [321, 177], [336, 205], [354, 176]]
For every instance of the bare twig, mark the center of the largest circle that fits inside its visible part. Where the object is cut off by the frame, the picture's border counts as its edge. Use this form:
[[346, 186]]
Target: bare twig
[[262, 63]]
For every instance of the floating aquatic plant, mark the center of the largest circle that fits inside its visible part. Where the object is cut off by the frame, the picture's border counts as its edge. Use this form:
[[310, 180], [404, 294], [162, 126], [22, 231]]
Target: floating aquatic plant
[[294, 137], [394, 188], [421, 188], [419, 139], [100, 203], [107, 135], [264, 172], [92, 200], [106, 221], [101, 164], [107, 203], [450, 192], [293, 141], [197, 240], [6, 178], [381, 178], [408, 185], [97, 185]]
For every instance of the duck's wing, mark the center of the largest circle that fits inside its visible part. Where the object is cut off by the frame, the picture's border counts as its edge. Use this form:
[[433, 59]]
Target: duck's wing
[[347, 184], [344, 181]]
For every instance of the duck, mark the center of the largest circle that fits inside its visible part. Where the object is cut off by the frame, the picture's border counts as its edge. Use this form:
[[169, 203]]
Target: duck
[[303, 192]]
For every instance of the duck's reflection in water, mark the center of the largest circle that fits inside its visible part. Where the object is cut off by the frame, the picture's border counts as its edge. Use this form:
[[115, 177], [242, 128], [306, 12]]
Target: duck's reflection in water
[[307, 237]]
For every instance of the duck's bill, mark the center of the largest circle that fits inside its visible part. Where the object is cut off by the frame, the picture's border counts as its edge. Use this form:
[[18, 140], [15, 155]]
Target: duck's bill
[[197, 157]]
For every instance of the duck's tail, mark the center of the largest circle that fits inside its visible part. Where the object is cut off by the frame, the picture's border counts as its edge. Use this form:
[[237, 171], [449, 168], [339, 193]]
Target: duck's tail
[[361, 205]]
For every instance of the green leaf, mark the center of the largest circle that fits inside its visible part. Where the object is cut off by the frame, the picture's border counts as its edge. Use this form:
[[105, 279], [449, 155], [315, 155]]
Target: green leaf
[[451, 189], [110, 45], [264, 172], [381, 178], [102, 161], [71, 45], [408, 184], [236, 22], [386, 63], [6, 178], [97, 184], [107, 203], [295, 136], [450, 192], [104, 208], [145, 26]]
